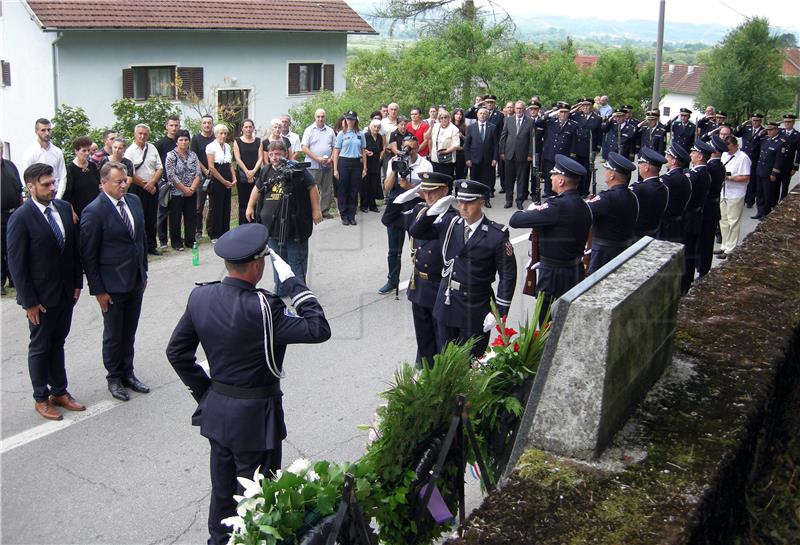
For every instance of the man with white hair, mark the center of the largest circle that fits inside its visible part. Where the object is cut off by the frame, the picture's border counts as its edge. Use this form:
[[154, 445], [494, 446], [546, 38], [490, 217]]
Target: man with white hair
[[147, 170], [317, 144], [286, 132]]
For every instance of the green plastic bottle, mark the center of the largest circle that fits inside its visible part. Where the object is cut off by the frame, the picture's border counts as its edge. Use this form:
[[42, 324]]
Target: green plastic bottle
[[195, 255]]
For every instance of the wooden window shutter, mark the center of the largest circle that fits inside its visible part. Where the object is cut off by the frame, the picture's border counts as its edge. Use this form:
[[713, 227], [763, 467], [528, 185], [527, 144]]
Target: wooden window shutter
[[327, 77], [294, 79], [127, 83], [191, 81], [6, 73]]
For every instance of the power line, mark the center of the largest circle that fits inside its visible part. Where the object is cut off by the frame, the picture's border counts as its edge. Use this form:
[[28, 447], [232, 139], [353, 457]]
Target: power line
[[747, 17]]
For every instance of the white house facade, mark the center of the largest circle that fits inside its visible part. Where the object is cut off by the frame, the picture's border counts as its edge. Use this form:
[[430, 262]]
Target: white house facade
[[256, 58]]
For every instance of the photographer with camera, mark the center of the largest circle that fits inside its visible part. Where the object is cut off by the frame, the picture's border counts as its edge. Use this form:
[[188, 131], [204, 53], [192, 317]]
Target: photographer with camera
[[286, 202], [402, 174]]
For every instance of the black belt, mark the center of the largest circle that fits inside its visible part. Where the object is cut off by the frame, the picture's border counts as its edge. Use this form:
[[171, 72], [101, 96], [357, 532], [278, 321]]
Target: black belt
[[558, 263], [350, 159], [610, 243], [261, 392]]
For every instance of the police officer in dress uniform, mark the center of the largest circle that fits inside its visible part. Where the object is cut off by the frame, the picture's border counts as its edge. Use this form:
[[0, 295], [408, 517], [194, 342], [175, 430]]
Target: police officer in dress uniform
[[560, 133], [587, 139], [790, 164], [680, 190], [650, 133], [683, 131], [693, 216], [772, 155], [537, 135], [563, 223], [621, 133], [426, 257], [614, 212], [474, 250], [751, 134], [244, 332], [651, 193], [711, 211]]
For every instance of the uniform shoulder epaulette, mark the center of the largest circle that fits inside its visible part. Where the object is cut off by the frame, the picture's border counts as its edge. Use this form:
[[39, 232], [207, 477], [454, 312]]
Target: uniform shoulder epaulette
[[498, 226], [206, 283]]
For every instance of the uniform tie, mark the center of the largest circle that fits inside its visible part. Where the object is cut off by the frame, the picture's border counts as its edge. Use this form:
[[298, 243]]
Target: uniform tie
[[467, 231], [125, 219], [54, 226]]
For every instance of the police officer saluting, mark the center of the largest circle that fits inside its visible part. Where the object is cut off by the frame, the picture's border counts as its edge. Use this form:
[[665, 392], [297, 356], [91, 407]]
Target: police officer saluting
[[693, 217], [680, 190], [771, 157], [563, 223], [683, 131], [426, 257], [614, 212], [244, 332], [474, 251], [650, 192]]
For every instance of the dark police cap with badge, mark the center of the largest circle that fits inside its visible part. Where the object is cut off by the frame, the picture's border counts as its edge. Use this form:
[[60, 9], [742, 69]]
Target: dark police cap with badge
[[490, 98], [686, 111], [757, 116], [718, 143], [469, 190], [243, 244], [651, 156], [703, 147], [434, 180], [679, 153], [619, 163], [789, 117], [562, 105], [771, 124], [350, 114], [652, 114], [568, 167]]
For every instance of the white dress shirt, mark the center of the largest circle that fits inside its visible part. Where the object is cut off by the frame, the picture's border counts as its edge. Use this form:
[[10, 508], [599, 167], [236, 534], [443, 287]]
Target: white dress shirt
[[54, 213], [473, 227], [51, 155], [151, 164], [126, 208]]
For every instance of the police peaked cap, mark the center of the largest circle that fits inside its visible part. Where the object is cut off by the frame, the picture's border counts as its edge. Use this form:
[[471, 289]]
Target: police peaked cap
[[619, 163], [434, 180], [243, 244], [703, 147], [685, 111], [469, 190], [568, 166], [652, 156], [718, 143], [679, 153]]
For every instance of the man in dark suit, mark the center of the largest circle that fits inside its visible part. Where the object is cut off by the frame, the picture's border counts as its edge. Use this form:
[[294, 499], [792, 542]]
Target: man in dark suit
[[114, 256], [45, 265], [480, 150], [516, 149], [239, 405]]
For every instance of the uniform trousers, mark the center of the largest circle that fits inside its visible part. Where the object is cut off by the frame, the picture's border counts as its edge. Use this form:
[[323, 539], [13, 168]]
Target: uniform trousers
[[585, 182], [426, 330], [323, 177], [350, 170], [220, 196], [767, 195], [46, 350], [705, 241], [460, 335], [150, 210], [119, 333], [752, 185], [547, 166], [786, 177], [182, 208], [226, 465], [689, 259], [729, 222], [517, 176]]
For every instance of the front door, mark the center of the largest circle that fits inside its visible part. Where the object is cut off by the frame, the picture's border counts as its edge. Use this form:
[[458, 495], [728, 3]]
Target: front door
[[233, 107]]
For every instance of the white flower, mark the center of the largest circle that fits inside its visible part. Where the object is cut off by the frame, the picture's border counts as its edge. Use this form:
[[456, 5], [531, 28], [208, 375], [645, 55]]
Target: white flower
[[312, 475], [299, 466], [257, 476], [237, 523], [251, 488], [250, 504]]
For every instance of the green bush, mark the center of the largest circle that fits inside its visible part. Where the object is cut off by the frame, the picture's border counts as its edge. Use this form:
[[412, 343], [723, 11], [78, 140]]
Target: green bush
[[153, 112], [70, 123]]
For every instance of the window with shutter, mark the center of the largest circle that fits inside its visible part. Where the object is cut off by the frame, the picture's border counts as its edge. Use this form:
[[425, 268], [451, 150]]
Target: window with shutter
[[127, 83], [6, 73], [191, 82], [142, 82], [305, 78], [327, 77]]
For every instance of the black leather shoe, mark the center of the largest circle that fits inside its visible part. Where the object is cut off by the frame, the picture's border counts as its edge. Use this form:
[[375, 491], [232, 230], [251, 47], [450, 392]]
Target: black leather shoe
[[118, 391], [749, 204], [386, 288], [507, 205], [154, 251], [519, 206], [502, 191], [353, 222], [373, 209], [136, 385], [756, 217]]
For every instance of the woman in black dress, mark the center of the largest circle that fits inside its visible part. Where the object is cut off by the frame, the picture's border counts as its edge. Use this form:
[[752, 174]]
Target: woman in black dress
[[461, 162], [223, 178], [371, 183], [247, 150], [83, 179]]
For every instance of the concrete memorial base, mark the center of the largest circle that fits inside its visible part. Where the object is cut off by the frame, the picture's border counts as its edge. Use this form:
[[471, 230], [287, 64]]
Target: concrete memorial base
[[611, 339]]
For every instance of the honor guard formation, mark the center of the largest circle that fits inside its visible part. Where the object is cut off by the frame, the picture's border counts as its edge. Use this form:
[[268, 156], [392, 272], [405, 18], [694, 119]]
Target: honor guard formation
[[684, 181]]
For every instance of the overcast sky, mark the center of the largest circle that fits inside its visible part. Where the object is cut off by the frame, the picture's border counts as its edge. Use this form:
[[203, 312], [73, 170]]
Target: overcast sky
[[724, 12]]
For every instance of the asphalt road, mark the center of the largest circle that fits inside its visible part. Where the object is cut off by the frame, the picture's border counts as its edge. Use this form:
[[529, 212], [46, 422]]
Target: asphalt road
[[137, 472]]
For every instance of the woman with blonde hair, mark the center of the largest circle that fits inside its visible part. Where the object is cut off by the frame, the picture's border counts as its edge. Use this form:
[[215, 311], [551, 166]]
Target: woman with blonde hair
[[223, 178], [444, 140]]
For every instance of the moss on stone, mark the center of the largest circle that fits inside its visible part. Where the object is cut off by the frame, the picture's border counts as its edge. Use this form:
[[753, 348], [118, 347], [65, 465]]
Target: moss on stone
[[738, 324]]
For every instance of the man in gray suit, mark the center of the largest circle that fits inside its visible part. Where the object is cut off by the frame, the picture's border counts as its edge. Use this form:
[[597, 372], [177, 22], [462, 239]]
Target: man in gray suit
[[516, 149]]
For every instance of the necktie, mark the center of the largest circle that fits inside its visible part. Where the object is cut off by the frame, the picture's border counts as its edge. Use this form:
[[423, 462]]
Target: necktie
[[125, 219], [467, 231], [483, 134], [54, 226], [519, 123]]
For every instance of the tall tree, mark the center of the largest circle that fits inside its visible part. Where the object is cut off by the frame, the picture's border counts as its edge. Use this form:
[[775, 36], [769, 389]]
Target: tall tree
[[744, 72], [619, 75]]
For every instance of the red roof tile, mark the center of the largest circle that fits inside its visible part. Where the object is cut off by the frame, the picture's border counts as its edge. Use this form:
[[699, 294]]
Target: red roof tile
[[586, 61], [682, 78], [277, 15], [791, 62]]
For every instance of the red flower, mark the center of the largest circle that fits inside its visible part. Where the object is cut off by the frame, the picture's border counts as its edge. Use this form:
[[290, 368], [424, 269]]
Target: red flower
[[510, 332], [498, 341], [535, 334], [516, 347]]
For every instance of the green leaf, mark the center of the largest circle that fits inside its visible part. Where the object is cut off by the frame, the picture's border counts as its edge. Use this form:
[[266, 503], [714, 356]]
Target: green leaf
[[270, 530]]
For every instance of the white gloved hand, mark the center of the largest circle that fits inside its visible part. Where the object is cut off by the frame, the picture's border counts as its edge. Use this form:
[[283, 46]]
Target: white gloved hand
[[489, 322], [408, 195], [532, 206], [440, 206], [282, 269]]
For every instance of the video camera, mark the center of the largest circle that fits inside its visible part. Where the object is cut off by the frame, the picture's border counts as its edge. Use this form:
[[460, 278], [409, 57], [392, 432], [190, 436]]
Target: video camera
[[400, 164], [283, 173]]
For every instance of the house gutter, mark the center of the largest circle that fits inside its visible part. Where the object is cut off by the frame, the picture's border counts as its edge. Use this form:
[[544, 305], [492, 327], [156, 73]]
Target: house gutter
[[54, 46]]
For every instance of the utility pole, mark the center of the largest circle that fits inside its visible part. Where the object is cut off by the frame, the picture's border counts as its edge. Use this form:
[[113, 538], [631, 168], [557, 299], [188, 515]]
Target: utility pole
[[659, 49]]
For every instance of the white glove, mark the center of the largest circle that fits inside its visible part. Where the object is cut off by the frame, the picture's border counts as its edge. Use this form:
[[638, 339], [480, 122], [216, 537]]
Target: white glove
[[283, 270], [489, 322], [532, 206], [408, 195], [440, 206]]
